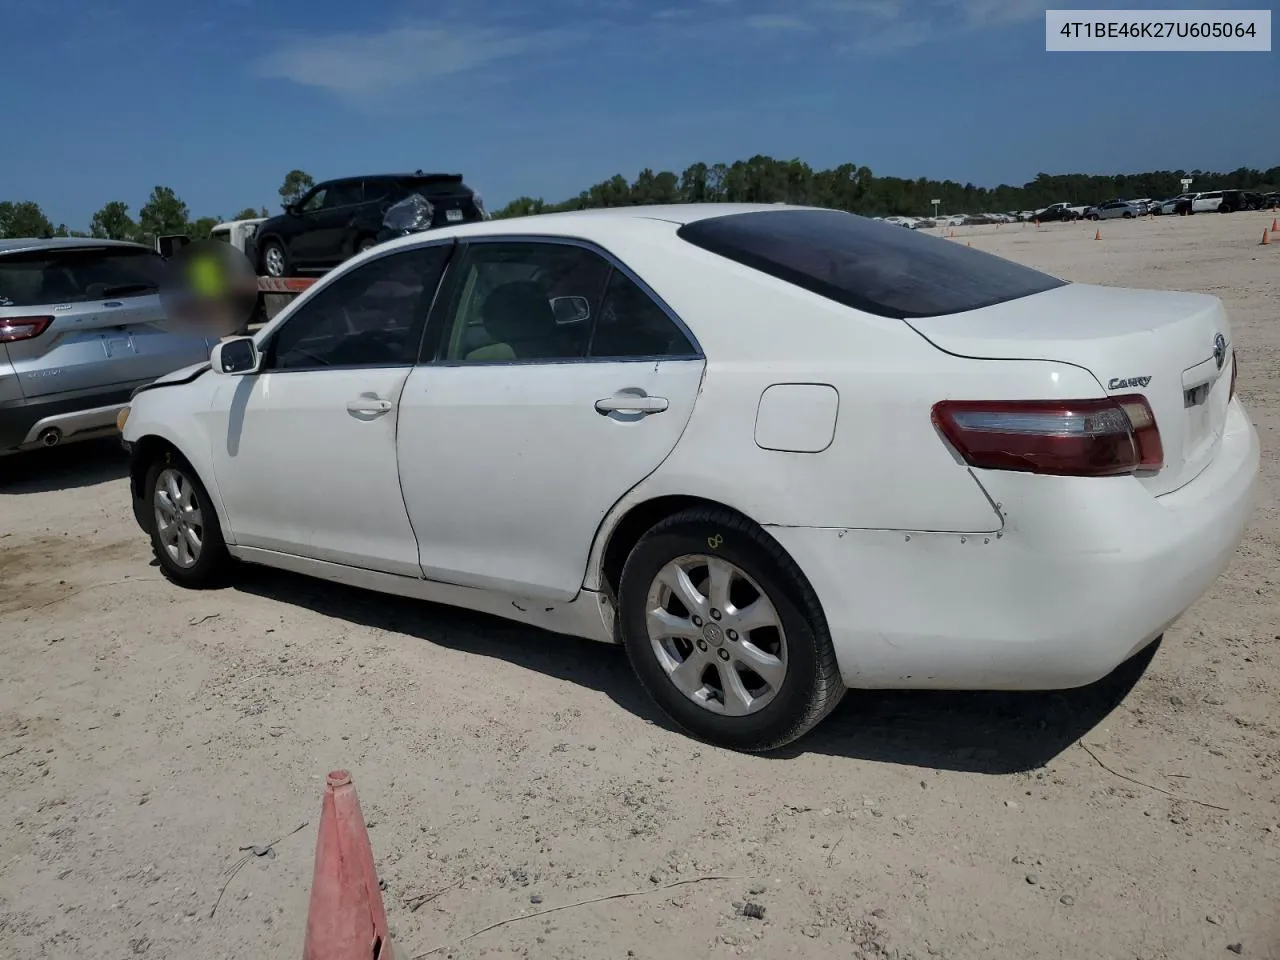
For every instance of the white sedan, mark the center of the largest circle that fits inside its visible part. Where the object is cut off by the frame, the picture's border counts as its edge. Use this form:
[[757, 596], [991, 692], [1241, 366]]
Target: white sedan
[[775, 452]]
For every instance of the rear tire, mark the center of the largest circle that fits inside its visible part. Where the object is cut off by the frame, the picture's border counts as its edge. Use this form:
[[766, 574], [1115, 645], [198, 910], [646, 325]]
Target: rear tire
[[687, 654], [185, 534], [273, 260]]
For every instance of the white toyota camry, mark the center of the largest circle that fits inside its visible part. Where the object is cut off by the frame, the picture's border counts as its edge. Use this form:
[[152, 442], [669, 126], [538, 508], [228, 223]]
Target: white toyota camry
[[776, 452]]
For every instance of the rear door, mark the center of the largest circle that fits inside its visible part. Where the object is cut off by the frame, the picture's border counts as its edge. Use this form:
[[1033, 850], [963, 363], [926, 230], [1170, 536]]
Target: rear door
[[106, 326], [561, 382], [330, 236]]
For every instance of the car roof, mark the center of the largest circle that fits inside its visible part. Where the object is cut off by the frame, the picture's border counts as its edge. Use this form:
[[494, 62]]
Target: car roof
[[598, 222], [15, 244], [414, 175]]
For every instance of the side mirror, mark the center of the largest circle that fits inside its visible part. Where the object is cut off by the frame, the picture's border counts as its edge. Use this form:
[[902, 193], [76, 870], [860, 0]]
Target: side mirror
[[569, 310], [290, 208], [235, 356]]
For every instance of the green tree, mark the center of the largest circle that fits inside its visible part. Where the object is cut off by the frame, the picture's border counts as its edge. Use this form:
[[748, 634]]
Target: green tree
[[202, 227], [296, 183], [248, 213], [23, 218], [164, 213], [113, 222]]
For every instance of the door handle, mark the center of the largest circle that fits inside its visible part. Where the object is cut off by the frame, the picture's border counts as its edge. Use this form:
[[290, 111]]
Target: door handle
[[368, 406], [631, 403]]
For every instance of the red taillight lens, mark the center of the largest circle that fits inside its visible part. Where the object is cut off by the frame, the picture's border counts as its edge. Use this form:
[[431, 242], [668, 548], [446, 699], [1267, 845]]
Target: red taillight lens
[[13, 329], [1075, 438], [1235, 368]]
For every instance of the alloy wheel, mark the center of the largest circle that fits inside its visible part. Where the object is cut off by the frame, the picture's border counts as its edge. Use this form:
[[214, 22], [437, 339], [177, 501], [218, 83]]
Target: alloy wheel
[[717, 635], [179, 521]]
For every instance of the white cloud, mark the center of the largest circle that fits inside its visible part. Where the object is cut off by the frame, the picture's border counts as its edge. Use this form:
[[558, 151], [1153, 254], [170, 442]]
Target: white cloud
[[983, 12], [356, 65]]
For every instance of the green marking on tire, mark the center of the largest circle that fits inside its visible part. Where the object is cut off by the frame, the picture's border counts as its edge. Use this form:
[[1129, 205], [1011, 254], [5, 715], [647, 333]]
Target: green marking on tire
[[714, 541]]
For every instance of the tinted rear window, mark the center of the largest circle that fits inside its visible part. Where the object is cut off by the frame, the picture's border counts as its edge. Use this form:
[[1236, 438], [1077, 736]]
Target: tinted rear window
[[48, 277], [875, 267]]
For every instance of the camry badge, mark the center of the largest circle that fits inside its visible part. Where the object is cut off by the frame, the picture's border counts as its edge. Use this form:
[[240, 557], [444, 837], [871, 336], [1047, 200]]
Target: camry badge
[[1121, 383], [1219, 350]]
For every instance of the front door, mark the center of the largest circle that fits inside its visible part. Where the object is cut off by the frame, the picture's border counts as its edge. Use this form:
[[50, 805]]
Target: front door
[[560, 384], [304, 451]]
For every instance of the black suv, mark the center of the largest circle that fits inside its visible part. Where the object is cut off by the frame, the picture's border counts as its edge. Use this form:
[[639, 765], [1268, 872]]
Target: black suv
[[337, 219]]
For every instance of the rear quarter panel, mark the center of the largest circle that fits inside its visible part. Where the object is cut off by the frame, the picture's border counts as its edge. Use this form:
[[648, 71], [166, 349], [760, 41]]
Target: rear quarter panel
[[886, 468]]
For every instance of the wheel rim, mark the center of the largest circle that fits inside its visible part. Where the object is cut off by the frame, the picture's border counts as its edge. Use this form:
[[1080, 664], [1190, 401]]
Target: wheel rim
[[274, 258], [179, 522], [716, 635]]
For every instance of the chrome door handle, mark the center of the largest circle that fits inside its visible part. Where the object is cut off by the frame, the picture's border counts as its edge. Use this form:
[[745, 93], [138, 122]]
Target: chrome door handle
[[631, 403], [368, 406]]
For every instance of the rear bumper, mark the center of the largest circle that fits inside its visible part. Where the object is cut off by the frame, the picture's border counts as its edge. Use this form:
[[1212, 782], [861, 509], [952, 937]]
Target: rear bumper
[[1085, 574], [69, 417]]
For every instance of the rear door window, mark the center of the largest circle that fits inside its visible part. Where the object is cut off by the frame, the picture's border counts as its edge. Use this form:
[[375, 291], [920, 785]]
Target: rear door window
[[78, 275], [874, 267]]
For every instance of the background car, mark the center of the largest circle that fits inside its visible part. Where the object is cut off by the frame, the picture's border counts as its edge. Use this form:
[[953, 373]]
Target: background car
[[339, 218], [1113, 209], [81, 325], [1054, 212], [775, 452]]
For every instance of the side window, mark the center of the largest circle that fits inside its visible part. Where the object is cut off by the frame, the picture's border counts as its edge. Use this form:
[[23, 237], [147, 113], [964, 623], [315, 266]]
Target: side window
[[525, 301], [376, 189], [343, 194], [369, 317], [631, 324], [315, 201]]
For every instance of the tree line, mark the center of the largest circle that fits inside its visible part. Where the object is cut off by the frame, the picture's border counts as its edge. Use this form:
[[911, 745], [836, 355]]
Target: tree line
[[758, 180], [854, 188], [164, 213]]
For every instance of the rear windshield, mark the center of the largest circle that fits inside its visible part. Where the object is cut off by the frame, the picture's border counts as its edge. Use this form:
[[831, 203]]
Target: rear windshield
[[50, 277], [875, 267]]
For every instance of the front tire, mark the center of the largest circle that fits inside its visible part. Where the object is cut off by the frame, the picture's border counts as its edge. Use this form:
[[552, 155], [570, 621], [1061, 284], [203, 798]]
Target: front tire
[[725, 633], [185, 534]]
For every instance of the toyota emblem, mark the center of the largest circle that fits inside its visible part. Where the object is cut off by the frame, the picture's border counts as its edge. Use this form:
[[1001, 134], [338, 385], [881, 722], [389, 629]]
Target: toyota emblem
[[1219, 350]]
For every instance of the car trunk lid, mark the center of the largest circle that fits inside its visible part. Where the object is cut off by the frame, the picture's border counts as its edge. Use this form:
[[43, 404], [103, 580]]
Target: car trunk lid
[[1174, 349]]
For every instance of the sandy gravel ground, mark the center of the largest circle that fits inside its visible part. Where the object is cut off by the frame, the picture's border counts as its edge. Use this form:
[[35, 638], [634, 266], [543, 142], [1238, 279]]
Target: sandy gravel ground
[[147, 735]]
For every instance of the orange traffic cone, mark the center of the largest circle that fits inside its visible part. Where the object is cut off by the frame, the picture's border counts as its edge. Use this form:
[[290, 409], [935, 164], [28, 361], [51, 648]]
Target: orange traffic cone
[[1266, 238], [346, 920], [951, 235], [968, 244], [1275, 224], [1097, 234]]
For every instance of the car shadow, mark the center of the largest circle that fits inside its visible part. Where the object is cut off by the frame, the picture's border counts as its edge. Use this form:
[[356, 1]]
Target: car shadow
[[81, 464], [989, 733]]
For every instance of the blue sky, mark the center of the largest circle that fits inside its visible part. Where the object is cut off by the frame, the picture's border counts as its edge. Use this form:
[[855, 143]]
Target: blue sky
[[220, 98]]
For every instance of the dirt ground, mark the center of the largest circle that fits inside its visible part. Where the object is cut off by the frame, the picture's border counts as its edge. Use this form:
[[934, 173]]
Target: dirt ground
[[148, 735]]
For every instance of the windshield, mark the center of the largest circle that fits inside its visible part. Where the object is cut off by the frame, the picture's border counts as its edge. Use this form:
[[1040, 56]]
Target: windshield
[[77, 275]]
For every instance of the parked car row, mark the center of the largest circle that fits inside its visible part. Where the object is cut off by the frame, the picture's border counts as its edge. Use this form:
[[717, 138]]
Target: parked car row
[[1218, 201]]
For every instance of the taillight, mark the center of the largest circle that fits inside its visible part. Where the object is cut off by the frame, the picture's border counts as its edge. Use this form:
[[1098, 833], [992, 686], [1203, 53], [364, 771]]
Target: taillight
[[1235, 368], [22, 328], [1076, 438]]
